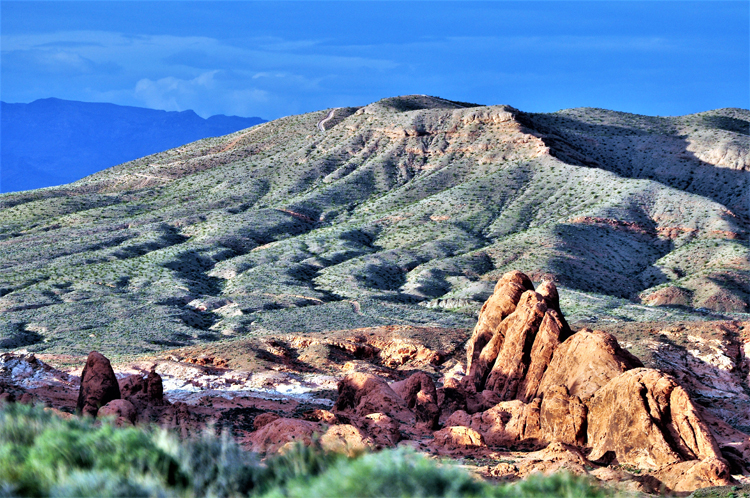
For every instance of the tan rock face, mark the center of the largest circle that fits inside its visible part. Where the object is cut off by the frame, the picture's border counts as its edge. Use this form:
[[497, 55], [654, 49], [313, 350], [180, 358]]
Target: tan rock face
[[548, 290], [556, 457], [546, 342], [694, 474], [346, 439], [98, 384], [508, 423], [585, 362], [502, 303], [563, 417], [458, 436], [643, 418], [513, 359]]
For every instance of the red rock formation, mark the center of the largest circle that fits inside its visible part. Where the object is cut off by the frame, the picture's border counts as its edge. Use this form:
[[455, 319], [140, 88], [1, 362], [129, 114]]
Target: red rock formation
[[363, 394], [585, 362], [563, 417], [513, 359], [277, 433], [556, 457], [421, 397], [546, 342], [694, 474], [502, 303], [381, 428], [643, 418], [98, 385], [548, 290], [122, 410], [264, 419], [457, 436], [346, 439]]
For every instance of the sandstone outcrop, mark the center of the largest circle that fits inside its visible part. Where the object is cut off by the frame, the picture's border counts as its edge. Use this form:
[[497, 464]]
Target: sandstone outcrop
[[272, 436], [551, 333], [452, 438], [382, 429], [346, 439], [562, 417], [694, 474], [420, 395], [512, 361], [556, 457], [585, 362], [531, 382], [363, 394], [644, 419], [502, 303], [579, 401], [98, 385]]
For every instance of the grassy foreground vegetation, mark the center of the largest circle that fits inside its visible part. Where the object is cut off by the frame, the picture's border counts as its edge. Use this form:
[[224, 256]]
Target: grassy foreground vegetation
[[43, 455]]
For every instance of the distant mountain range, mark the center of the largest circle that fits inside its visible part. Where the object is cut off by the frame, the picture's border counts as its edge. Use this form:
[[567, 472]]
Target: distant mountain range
[[51, 141]]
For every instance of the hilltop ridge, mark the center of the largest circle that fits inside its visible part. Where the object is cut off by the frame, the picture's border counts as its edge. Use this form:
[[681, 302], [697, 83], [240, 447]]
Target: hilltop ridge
[[395, 213]]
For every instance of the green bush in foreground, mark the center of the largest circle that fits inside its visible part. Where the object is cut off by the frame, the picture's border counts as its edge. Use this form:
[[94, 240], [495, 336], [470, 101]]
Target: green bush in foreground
[[43, 455]]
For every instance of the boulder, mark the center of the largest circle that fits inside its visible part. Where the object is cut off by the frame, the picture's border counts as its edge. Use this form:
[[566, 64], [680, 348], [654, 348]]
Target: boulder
[[274, 435], [694, 474], [513, 359], [556, 457], [318, 415], [346, 439], [98, 385], [509, 424], [645, 419], [381, 428], [154, 387], [364, 393], [500, 304], [421, 398], [122, 410], [457, 437], [585, 362], [146, 389]]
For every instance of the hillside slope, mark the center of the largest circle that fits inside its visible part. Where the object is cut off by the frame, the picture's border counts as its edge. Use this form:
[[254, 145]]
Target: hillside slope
[[392, 213], [52, 141]]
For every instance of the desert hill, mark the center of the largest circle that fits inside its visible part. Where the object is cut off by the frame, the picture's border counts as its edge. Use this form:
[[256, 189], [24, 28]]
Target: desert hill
[[53, 141], [402, 212]]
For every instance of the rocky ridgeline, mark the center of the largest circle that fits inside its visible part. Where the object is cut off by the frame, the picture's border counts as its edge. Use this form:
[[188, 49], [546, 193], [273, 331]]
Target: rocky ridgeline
[[531, 387]]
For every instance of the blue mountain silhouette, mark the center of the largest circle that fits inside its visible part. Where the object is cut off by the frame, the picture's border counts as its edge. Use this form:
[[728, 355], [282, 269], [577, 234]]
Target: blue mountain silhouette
[[52, 141]]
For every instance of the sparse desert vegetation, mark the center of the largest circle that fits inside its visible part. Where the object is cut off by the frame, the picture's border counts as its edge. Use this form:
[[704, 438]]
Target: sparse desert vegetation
[[397, 206]]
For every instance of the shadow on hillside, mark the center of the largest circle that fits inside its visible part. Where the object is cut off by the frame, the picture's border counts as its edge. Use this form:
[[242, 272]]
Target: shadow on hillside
[[562, 134], [609, 260], [192, 267], [21, 339]]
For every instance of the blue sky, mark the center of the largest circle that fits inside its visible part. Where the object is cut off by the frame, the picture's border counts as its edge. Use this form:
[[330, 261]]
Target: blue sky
[[272, 59]]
